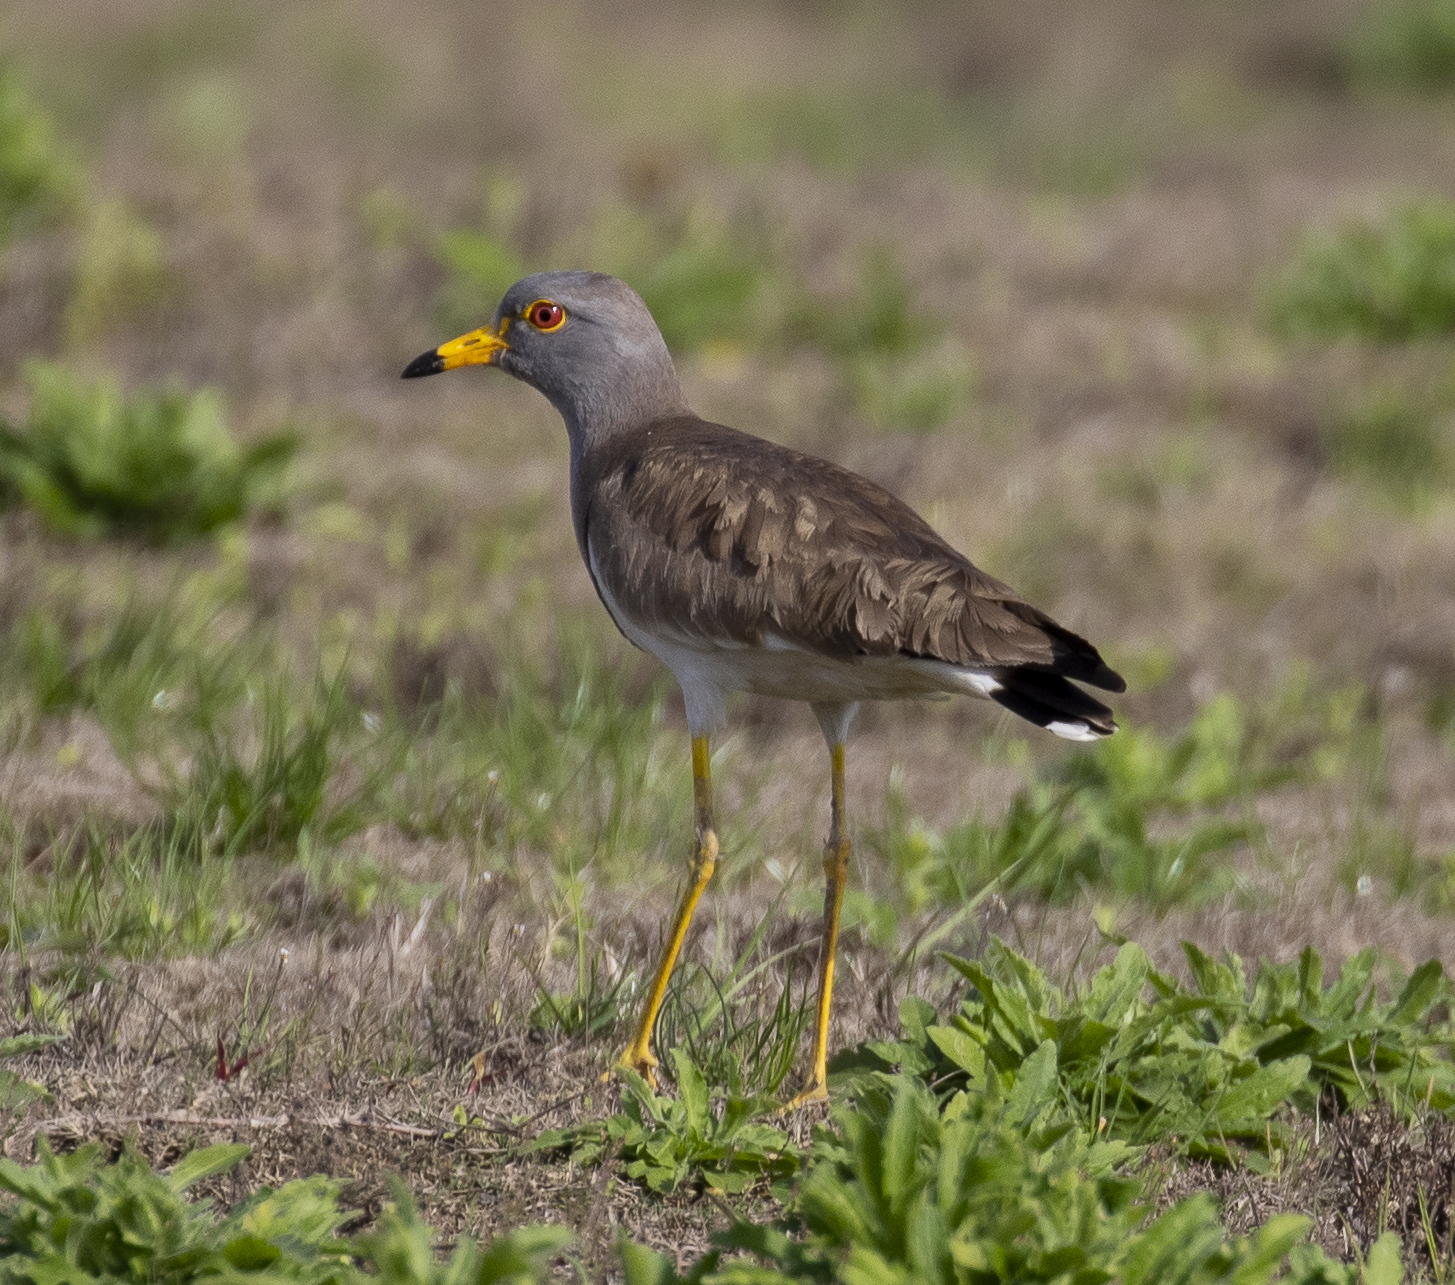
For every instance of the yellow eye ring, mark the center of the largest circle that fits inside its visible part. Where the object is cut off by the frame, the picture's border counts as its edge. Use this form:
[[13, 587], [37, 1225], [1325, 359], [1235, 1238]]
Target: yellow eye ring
[[543, 314]]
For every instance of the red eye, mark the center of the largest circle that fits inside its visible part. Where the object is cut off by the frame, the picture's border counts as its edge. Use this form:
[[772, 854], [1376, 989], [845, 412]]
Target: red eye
[[545, 315]]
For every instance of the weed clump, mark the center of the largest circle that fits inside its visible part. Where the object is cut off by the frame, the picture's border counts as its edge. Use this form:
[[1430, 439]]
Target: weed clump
[[665, 1141], [161, 464], [78, 1219], [988, 1187], [1212, 1065], [261, 787], [36, 179], [1389, 282]]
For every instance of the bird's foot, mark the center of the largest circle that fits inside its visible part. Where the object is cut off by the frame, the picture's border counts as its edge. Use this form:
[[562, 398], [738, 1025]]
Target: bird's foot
[[639, 1059], [815, 1091]]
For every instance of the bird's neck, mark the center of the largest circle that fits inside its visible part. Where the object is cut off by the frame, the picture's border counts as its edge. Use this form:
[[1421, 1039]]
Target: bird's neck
[[596, 414], [598, 409]]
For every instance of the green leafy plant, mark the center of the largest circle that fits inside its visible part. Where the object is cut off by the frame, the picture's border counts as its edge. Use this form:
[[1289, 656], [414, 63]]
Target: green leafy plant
[[161, 464], [664, 1141], [401, 1251], [77, 1219], [1391, 281], [901, 1191], [1138, 1057], [15, 1091]]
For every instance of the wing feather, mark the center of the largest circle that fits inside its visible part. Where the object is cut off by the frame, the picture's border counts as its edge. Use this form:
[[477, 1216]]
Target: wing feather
[[702, 530]]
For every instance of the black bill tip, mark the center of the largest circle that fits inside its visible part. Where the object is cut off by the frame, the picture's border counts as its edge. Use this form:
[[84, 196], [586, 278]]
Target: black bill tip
[[427, 363]]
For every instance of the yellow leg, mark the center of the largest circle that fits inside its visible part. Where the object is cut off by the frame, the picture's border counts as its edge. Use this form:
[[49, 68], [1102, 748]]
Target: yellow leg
[[836, 873], [638, 1054]]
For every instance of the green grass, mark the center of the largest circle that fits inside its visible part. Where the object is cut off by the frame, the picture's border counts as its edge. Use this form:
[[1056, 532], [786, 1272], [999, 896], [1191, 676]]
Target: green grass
[[149, 669], [98, 895], [161, 464], [1390, 281], [1041, 1099], [562, 757], [569, 758], [1141, 815], [263, 783]]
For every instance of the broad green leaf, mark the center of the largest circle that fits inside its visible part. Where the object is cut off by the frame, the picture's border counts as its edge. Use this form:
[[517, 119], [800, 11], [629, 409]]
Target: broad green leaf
[[1342, 998], [250, 1253], [1383, 1266], [1223, 981], [521, 1255], [643, 1266], [1311, 981], [693, 1090], [901, 1141], [204, 1163], [1035, 1085], [19, 1045], [1268, 1247], [1424, 984], [1117, 987], [964, 1052], [1185, 1236], [1254, 1098]]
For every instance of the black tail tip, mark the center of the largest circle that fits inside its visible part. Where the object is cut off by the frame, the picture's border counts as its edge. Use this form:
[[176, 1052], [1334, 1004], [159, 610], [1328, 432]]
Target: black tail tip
[[1109, 680], [427, 363]]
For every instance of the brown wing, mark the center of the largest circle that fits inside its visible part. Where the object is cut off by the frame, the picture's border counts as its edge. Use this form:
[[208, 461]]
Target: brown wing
[[701, 530]]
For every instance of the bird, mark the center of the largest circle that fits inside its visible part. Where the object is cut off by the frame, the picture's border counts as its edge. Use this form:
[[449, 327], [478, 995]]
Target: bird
[[746, 566]]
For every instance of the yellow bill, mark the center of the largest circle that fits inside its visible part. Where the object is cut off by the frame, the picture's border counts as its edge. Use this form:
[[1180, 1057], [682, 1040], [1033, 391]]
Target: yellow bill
[[478, 348]]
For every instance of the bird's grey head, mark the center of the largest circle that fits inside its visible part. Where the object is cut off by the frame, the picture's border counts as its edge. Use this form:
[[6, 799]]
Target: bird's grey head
[[585, 340]]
